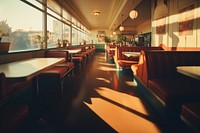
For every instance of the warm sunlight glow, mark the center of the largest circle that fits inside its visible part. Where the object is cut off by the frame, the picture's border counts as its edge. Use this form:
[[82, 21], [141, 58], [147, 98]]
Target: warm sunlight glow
[[107, 69], [128, 113], [173, 19], [106, 64], [103, 79], [124, 99], [102, 58], [131, 83]]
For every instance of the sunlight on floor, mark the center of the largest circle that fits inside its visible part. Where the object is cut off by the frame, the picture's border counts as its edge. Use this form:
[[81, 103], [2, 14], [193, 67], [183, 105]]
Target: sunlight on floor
[[106, 64], [107, 69], [131, 83], [128, 112], [102, 58], [103, 79]]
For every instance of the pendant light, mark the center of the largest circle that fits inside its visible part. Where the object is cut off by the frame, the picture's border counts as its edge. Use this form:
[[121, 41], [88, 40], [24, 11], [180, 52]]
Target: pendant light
[[133, 14], [121, 28], [114, 33]]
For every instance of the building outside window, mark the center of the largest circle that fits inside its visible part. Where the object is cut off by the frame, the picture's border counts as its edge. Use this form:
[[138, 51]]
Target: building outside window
[[24, 26], [25, 22]]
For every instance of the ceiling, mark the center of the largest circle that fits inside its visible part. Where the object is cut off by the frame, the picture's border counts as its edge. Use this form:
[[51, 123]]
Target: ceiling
[[110, 12]]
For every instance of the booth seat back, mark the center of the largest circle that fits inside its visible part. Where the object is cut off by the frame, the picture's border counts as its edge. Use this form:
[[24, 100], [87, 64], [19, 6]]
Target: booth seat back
[[2, 86], [78, 47], [162, 64], [55, 54], [179, 48], [119, 50]]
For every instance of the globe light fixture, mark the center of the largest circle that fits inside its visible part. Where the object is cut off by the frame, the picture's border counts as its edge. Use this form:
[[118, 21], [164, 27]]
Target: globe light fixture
[[121, 28], [133, 14], [96, 13], [114, 33]]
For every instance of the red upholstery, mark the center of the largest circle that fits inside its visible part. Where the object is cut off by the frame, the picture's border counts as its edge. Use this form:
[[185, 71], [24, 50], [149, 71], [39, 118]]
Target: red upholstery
[[16, 86], [11, 115], [110, 53], [77, 58], [162, 64], [126, 63], [57, 54], [191, 115], [174, 92], [59, 71], [179, 48], [157, 71], [55, 72], [120, 56], [2, 86]]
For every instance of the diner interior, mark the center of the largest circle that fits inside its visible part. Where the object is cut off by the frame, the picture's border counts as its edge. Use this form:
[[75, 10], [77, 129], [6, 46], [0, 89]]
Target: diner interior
[[103, 66]]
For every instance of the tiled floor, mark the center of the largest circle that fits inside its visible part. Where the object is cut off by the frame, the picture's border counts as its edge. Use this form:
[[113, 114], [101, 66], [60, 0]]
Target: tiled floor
[[99, 100]]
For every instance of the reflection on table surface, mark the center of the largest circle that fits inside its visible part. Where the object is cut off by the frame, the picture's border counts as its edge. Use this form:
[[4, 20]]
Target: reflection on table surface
[[191, 71], [129, 54], [28, 68], [73, 51]]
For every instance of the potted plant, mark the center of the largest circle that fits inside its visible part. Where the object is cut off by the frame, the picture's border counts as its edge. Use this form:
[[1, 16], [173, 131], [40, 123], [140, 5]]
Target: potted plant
[[58, 43], [83, 42], [122, 39], [41, 41], [69, 44], [65, 42], [4, 37], [107, 39]]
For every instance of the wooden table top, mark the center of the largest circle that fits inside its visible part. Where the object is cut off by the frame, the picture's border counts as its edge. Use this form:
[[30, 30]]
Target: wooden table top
[[28, 68], [73, 51], [129, 54], [191, 71]]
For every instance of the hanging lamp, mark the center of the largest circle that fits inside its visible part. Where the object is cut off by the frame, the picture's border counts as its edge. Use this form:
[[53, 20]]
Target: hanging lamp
[[121, 28], [133, 14], [114, 33]]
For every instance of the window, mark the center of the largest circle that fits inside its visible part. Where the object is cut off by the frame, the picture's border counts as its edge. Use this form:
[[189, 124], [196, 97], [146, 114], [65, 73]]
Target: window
[[23, 24], [74, 37], [23, 21], [66, 32], [54, 6], [54, 31], [66, 17]]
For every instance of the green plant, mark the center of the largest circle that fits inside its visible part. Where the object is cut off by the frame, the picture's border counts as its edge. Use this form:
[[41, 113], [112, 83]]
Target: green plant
[[59, 40], [107, 39], [65, 41], [42, 39], [5, 30], [121, 38]]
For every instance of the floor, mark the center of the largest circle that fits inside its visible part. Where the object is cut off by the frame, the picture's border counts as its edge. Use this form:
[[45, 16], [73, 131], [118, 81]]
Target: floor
[[100, 99]]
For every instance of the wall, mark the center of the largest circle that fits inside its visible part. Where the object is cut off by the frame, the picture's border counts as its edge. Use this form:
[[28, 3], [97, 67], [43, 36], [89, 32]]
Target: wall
[[172, 36], [144, 27], [94, 34], [11, 57]]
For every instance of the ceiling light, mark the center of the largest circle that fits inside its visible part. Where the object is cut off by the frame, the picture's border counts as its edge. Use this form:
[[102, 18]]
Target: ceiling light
[[161, 10], [114, 33], [133, 14], [96, 13], [121, 28]]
